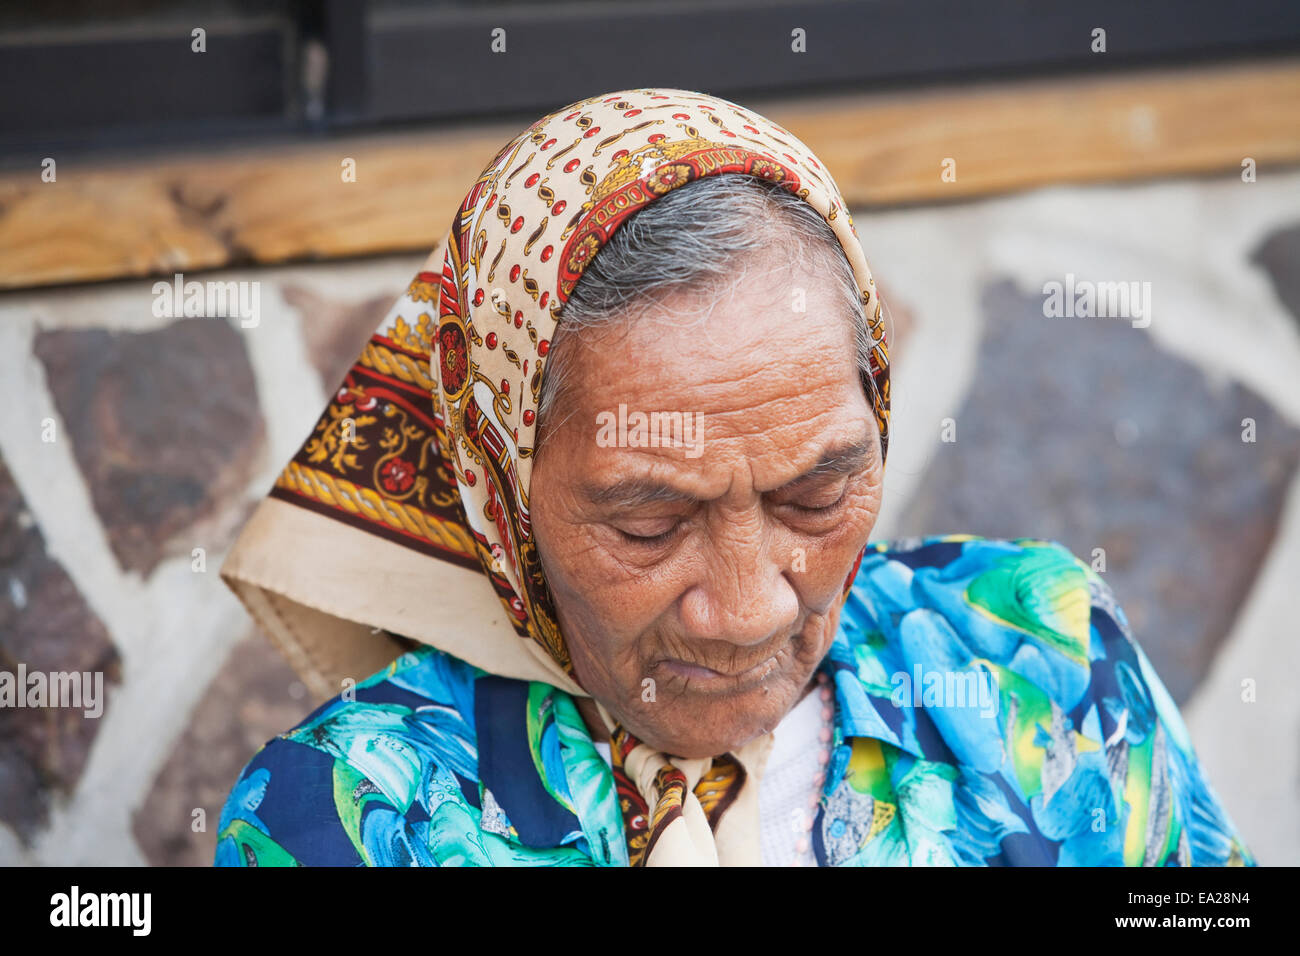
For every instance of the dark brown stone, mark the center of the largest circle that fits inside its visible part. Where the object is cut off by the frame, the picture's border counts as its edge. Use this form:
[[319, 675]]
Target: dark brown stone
[[46, 625], [165, 427], [1279, 255], [1085, 432], [254, 697], [336, 332]]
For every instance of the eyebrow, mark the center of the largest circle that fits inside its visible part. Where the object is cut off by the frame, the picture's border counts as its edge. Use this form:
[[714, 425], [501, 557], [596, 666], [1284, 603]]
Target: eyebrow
[[839, 460], [843, 459]]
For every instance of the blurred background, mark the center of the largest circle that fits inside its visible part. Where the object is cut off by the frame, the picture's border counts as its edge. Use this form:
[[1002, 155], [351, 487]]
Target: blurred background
[[316, 151]]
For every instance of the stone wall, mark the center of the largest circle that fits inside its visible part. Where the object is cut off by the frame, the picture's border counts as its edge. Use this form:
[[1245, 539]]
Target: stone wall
[[134, 446]]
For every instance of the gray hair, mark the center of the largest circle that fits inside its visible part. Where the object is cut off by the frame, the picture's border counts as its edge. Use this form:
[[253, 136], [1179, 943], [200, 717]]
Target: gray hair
[[700, 237]]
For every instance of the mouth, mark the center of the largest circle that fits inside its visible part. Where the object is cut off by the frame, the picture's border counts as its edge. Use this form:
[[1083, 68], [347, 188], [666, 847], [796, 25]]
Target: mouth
[[706, 679]]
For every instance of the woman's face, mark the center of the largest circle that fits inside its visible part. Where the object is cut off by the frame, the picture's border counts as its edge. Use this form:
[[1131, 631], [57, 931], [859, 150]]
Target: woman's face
[[697, 585]]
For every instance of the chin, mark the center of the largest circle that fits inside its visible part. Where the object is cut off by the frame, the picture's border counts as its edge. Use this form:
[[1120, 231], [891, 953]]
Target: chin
[[719, 724]]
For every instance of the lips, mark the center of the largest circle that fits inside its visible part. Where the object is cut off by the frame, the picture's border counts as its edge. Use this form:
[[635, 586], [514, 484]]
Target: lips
[[698, 672], [707, 678]]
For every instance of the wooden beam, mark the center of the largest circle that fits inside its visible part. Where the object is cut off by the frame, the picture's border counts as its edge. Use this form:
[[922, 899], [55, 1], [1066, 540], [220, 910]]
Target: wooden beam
[[889, 150], [159, 215]]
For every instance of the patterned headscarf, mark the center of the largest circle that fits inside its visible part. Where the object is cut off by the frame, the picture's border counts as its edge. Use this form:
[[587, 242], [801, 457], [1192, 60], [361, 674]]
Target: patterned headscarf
[[417, 475]]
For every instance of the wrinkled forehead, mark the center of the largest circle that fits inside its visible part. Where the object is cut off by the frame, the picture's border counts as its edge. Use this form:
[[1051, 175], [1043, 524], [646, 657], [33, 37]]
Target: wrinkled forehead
[[752, 375]]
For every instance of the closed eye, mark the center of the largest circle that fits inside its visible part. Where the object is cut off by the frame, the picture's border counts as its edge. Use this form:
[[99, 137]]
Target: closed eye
[[820, 509], [649, 540]]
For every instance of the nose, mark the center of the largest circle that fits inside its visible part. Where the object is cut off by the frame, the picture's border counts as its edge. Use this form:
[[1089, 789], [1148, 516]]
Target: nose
[[741, 594]]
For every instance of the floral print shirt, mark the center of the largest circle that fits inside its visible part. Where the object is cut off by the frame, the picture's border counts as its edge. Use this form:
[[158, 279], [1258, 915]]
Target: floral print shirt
[[991, 708]]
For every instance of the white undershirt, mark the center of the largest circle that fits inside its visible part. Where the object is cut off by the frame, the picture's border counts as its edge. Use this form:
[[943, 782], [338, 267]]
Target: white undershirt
[[787, 784]]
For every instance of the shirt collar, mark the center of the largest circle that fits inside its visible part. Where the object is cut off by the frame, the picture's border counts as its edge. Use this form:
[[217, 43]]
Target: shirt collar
[[858, 711]]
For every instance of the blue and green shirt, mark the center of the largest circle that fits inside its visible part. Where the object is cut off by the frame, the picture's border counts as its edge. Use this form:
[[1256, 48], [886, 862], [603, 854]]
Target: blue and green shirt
[[991, 708]]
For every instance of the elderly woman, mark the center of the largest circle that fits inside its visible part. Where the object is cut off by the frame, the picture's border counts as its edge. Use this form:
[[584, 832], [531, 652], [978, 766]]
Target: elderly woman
[[579, 554]]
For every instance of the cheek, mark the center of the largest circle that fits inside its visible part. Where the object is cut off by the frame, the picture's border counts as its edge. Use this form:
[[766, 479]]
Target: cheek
[[603, 610], [601, 621], [831, 558]]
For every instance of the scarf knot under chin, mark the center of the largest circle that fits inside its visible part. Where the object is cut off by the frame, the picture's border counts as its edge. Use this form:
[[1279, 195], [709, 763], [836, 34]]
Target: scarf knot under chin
[[671, 805]]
